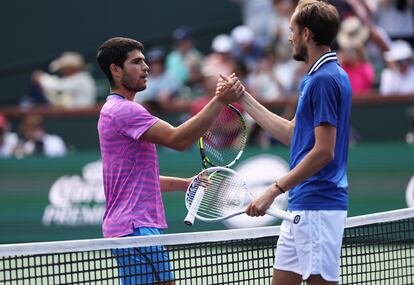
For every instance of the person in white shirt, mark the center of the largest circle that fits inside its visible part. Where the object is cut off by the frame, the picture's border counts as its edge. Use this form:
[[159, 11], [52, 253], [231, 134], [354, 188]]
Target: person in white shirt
[[74, 88], [398, 77], [8, 140], [35, 141]]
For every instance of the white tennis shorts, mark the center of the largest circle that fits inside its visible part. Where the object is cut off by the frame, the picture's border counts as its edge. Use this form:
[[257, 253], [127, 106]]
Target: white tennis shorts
[[313, 246]]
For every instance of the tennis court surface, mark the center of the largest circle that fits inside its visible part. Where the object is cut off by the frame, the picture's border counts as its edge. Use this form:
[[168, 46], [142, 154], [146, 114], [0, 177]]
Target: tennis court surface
[[377, 249]]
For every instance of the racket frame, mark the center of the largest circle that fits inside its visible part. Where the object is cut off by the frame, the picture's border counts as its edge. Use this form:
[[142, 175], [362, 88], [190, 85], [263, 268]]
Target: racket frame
[[206, 162], [294, 218]]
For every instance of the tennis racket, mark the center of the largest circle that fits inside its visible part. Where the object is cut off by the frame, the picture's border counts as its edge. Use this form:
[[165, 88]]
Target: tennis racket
[[219, 193], [223, 143]]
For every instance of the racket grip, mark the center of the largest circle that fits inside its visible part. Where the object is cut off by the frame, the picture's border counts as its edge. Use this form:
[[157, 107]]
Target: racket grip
[[189, 219], [294, 218]]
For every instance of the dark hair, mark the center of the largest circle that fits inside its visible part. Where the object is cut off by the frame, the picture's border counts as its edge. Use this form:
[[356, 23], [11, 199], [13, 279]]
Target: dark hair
[[115, 50], [321, 18]]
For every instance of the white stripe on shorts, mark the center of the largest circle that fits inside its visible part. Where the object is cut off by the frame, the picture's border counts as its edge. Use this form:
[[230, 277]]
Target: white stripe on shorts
[[313, 246]]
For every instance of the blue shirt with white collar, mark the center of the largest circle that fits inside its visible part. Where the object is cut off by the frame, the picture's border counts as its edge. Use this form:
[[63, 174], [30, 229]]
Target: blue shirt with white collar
[[325, 97]]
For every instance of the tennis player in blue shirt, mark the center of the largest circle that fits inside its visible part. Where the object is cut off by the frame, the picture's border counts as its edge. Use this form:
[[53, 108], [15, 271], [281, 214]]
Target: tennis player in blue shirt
[[318, 136]]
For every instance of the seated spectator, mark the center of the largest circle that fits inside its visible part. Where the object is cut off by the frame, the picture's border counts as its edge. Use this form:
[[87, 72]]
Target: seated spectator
[[183, 56], [8, 140], [194, 86], [260, 16], [352, 37], [397, 18], [246, 49], [209, 90], [266, 86], [35, 141], [221, 59], [73, 87], [162, 92], [283, 11], [398, 77]]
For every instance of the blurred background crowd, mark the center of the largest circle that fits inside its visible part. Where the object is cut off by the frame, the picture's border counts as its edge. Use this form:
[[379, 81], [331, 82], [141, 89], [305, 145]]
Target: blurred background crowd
[[375, 47]]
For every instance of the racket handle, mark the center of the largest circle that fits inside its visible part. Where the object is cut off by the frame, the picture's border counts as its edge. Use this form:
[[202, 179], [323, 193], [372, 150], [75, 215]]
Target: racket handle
[[283, 215], [189, 219]]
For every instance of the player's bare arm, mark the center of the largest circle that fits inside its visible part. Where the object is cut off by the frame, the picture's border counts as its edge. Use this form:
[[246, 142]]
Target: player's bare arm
[[169, 184], [280, 128], [318, 157], [186, 134]]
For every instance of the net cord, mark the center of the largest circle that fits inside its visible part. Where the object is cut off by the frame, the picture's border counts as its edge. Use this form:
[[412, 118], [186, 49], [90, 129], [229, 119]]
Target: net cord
[[180, 238]]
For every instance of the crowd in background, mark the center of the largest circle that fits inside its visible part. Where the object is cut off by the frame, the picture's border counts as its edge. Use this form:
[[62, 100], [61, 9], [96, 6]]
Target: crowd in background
[[374, 44]]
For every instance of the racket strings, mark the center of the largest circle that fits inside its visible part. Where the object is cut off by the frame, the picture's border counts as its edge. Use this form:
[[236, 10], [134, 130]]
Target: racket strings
[[223, 194], [226, 137]]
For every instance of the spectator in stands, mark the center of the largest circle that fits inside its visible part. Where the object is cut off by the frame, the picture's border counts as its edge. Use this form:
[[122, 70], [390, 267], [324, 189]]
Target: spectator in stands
[[397, 18], [259, 15], [194, 85], [265, 84], [246, 49], [221, 59], [398, 77], [36, 141], [73, 87], [284, 10], [183, 56], [352, 38], [209, 90], [8, 140], [162, 92]]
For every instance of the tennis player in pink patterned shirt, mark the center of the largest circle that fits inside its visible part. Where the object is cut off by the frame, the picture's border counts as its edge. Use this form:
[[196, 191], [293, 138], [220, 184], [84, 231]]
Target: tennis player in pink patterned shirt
[[128, 134]]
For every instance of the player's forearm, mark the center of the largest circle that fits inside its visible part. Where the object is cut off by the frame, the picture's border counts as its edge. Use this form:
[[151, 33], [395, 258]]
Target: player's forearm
[[313, 162], [169, 184], [190, 131], [280, 128]]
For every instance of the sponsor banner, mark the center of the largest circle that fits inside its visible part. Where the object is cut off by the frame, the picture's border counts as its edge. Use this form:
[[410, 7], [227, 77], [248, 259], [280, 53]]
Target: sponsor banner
[[77, 200]]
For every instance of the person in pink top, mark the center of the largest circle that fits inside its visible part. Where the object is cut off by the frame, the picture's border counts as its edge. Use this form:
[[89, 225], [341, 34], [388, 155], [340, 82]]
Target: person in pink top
[[128, 134]]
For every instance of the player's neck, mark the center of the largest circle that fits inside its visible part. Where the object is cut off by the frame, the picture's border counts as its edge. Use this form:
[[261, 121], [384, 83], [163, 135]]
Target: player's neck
[[123, 93], [315, 52]]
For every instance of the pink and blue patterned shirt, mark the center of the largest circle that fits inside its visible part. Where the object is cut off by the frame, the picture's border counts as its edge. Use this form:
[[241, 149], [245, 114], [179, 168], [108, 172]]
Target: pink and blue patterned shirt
[[130, 169]]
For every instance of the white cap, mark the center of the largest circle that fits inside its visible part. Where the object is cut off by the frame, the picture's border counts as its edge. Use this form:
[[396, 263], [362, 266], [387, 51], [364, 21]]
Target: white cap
[[222, 43], [242, 35], [399, 50]]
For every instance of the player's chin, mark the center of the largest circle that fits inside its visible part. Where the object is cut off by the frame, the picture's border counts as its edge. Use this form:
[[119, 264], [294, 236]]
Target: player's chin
[[141, 87]]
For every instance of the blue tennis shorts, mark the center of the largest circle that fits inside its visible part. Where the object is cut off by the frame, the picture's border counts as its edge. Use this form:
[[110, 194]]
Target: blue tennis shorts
[[143, 265]]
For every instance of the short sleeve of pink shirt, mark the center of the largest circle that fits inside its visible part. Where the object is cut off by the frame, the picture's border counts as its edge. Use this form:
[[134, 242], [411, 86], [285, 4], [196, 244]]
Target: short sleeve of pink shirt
[[130, 169]]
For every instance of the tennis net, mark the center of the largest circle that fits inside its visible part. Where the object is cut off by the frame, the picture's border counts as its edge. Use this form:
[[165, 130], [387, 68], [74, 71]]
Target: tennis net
[[377, 249]]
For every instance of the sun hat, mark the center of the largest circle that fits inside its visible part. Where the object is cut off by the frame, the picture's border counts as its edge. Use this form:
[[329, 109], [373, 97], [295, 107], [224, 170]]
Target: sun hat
[[68, 59], [352, 33]]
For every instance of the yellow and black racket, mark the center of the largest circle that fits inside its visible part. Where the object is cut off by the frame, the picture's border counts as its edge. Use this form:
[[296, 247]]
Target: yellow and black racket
[[223, 143]]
